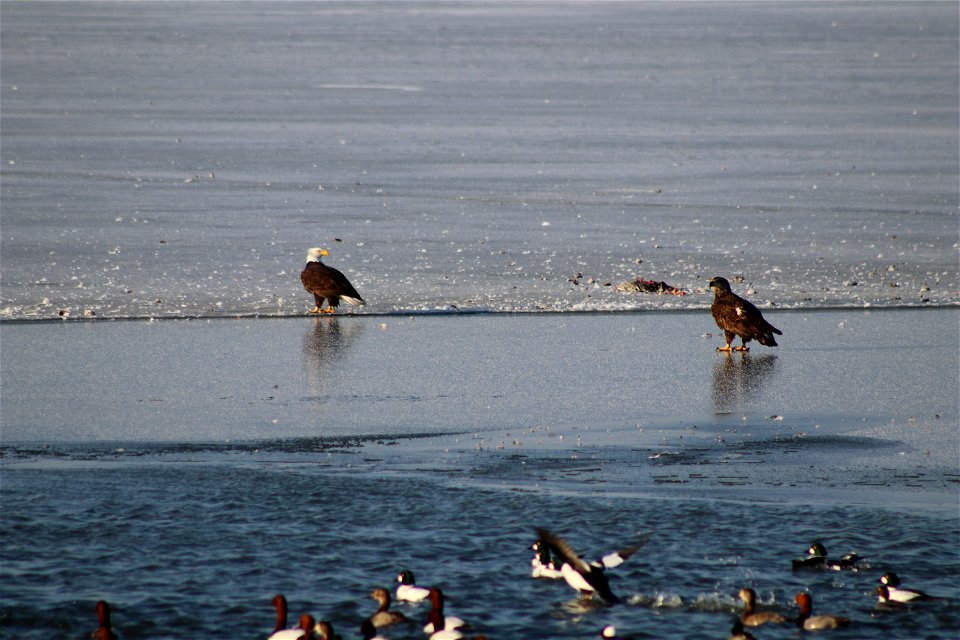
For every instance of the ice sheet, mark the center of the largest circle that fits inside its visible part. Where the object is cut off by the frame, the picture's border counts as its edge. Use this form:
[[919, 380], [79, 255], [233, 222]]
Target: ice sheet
[[503, 382], [178, 159]]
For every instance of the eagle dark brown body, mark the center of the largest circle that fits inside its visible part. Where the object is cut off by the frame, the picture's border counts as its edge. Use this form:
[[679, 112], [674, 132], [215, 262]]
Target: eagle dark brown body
[[738, 317], [327, 283]]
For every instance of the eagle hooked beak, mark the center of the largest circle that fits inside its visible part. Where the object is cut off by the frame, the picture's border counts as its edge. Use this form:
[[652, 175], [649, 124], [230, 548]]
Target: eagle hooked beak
[[324, 252]]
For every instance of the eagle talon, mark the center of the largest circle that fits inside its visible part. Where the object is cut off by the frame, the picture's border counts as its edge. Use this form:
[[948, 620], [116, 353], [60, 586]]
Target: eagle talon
[[726, 349], [315, 310], [741, 348]]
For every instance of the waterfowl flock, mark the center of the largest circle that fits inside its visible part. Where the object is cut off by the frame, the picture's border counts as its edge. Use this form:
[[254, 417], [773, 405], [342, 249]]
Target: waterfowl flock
[[587, 578], [554, 558]]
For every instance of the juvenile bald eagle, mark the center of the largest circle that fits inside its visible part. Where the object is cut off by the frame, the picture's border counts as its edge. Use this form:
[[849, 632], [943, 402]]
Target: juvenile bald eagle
[[737, 317], [326, 282]]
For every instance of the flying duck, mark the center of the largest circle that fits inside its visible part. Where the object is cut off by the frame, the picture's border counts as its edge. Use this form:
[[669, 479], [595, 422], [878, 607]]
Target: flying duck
[[586, 578]]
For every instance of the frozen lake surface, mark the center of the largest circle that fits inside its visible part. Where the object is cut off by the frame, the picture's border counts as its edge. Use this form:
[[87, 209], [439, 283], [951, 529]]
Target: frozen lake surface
[[178, 160], [222, 381]]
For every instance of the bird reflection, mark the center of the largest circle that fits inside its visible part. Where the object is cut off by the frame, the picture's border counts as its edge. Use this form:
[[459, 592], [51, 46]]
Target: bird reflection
[[738, 377], [326, 342]]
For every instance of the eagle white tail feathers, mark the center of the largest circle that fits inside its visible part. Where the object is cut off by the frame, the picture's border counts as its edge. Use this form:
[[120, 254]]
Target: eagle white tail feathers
[[357, 302]]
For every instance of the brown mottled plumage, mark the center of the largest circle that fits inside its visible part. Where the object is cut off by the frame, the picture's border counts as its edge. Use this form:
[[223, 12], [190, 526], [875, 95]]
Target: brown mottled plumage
[[738, 317], [384, 617], [753, 618], [327, 283]]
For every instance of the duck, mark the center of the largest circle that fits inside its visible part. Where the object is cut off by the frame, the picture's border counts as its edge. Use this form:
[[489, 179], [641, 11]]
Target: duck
[[614, 559], [609, 632], [280, 631], [810, 622], [817, 558], [104, 630], [587, 578], [883, 597], [440, 626], [737, 632], [542, 565], [408, 591], [369, 632], [891, 582], [383, 616], [752, 618], [324, 631]]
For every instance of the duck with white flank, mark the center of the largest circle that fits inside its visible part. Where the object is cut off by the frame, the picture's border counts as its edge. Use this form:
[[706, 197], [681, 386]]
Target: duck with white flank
[[324, 631], [440, 626], [609, 632], [810, 622], [327, 283], [752, 618], [586, 578], [383, 617], [895, 593], [408, 591], [542, 564], [818, 560], [369, 632], [280, 631], [738, 317]]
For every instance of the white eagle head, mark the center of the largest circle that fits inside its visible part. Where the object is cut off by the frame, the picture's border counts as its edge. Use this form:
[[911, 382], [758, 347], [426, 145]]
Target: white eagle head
[[314, 254]]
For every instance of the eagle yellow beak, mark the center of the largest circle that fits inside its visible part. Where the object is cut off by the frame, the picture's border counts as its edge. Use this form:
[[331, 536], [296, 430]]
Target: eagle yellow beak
[[324, 252]]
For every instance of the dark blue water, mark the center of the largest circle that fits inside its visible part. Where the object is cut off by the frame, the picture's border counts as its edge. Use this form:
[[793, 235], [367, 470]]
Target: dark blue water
[[184, 549]]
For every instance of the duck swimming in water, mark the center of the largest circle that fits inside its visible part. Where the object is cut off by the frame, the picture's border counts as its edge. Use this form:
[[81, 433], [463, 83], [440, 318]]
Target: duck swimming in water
[[609, 632], [439, 625], [407, 590], [818, 560], [324, 631], [752, 618], [104, 630], [383, 617], [810, 622], [896, 593], [280, 631]]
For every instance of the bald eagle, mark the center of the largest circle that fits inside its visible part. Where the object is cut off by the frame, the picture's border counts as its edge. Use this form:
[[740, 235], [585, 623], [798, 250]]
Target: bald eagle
[[737, 317], [326, 282]]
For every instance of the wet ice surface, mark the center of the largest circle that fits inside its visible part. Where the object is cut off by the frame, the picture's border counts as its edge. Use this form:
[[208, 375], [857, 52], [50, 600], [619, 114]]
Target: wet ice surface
[[859, 393], [178, 160]]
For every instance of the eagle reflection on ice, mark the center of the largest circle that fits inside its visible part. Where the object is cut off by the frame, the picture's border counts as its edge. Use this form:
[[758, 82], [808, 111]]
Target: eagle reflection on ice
[[325, 343], [736, 379]]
